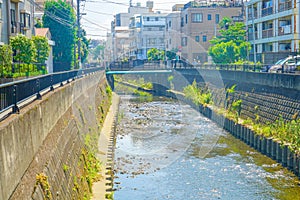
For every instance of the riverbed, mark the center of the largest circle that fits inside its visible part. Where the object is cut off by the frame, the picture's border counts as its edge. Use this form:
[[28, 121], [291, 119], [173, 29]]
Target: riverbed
[[167, 150]]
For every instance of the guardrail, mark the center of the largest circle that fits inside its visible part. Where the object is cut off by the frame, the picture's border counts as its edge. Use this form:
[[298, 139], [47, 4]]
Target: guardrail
[[118, 66], [14, 93]]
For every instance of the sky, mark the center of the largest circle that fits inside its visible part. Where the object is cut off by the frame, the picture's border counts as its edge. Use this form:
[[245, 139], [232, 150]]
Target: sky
[[99, 13]]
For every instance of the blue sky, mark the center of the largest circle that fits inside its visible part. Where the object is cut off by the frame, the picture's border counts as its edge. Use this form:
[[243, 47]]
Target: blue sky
[[97, 24]]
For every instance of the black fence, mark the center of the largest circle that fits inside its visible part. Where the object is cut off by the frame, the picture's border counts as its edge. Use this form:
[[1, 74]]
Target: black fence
[[14, 93]]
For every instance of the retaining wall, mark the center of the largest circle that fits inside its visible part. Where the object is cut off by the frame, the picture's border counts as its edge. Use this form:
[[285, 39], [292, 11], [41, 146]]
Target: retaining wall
[[264, 96], [47, 138]]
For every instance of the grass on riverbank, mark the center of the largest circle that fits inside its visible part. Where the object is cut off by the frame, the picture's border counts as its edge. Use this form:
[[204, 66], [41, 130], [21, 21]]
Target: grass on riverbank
[[285, 132]]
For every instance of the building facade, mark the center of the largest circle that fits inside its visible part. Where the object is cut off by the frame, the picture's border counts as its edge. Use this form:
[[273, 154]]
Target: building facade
[[120, 31], [147, 31], [273, 29], [199, 24], [173, 32], [16, 18]]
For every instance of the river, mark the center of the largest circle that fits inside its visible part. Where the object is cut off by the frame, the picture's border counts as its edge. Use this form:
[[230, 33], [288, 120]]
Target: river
[[167, 150]]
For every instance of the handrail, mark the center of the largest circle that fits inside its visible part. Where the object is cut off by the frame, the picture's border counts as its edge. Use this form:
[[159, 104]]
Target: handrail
[[16, 92]]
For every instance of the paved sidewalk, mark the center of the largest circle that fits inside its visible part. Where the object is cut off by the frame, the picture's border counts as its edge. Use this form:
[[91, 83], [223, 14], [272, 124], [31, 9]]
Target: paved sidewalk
[[99, 188]]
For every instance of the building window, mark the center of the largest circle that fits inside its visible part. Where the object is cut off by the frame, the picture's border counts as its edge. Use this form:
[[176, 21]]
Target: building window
[[197, 17], [148, 19], [182, 22], [156, 18], [0, 10], [209, 17], [13, 21], [204, 38], [197, 38], [170, 24], [184, 41], [217, 18], [25, 20], [186, 19], [170, 41]]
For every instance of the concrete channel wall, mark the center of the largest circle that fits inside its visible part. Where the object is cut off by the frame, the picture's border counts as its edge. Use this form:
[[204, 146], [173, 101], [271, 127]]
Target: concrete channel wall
[[47, 139]]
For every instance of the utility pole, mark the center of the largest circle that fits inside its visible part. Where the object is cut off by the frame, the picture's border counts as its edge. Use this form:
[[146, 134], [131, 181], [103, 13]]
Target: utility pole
[[78, 33]]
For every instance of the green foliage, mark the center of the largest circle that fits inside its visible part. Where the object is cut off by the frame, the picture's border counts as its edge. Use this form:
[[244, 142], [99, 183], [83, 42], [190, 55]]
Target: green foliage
[[231, 45], [171, 54], [42, 48], [98, 52], [24, 49], [109, 195], [63, 31], [170, 80], [5, 60], [155, 54], [84, 46], [231, 90], [198, 95], [42, 181]]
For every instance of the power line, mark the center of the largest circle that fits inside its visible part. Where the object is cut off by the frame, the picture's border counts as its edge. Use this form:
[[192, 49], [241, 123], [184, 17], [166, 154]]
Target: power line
[[95, 24], [52, 16], [100, 13], [107, 1]]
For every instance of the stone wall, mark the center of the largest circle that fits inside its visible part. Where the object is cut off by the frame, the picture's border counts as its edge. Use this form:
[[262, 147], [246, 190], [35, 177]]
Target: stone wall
[[264, 96], [47, 139]]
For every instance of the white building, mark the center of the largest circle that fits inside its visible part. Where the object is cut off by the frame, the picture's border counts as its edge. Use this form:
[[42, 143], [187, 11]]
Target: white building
[[120, 30], [147, 32], [273, 28]]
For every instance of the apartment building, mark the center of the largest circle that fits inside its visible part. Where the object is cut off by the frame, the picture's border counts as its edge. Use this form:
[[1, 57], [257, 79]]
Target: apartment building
[[199, 24], [147, 32], [16, 18], [173, 32], [273, 29], [120, 34]]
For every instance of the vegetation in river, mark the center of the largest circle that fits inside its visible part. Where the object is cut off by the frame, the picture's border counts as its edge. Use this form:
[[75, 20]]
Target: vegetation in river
[[197, 94], [287, 132]]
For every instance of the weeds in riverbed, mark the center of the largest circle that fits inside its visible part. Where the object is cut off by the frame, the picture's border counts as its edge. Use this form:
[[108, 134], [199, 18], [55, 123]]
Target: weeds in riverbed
[[198, 95], [287, 132]]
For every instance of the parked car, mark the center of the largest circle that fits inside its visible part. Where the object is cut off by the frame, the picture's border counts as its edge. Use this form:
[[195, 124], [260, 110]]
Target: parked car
[[286, 65]]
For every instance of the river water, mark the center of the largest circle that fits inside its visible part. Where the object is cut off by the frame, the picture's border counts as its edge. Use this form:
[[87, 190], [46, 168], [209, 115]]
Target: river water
[[167, 150]]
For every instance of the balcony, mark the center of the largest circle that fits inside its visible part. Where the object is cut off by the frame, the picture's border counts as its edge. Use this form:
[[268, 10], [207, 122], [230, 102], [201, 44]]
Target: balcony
[[267, 33], [285, 6], [284, 30], [267, 11]]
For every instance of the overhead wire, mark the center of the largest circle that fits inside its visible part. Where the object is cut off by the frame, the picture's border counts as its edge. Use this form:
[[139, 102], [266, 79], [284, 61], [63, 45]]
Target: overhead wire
[[52, 16]]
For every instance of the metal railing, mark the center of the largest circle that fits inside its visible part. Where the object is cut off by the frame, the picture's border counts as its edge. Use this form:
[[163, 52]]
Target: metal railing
[[14, 93]]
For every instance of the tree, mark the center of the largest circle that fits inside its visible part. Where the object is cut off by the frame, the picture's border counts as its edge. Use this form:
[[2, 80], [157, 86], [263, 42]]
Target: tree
[[42, 48], [5, 59], [97, 52], [171, 54], [84, 47], [24, 49], [60, 18], [155, 54], [230, 46]]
